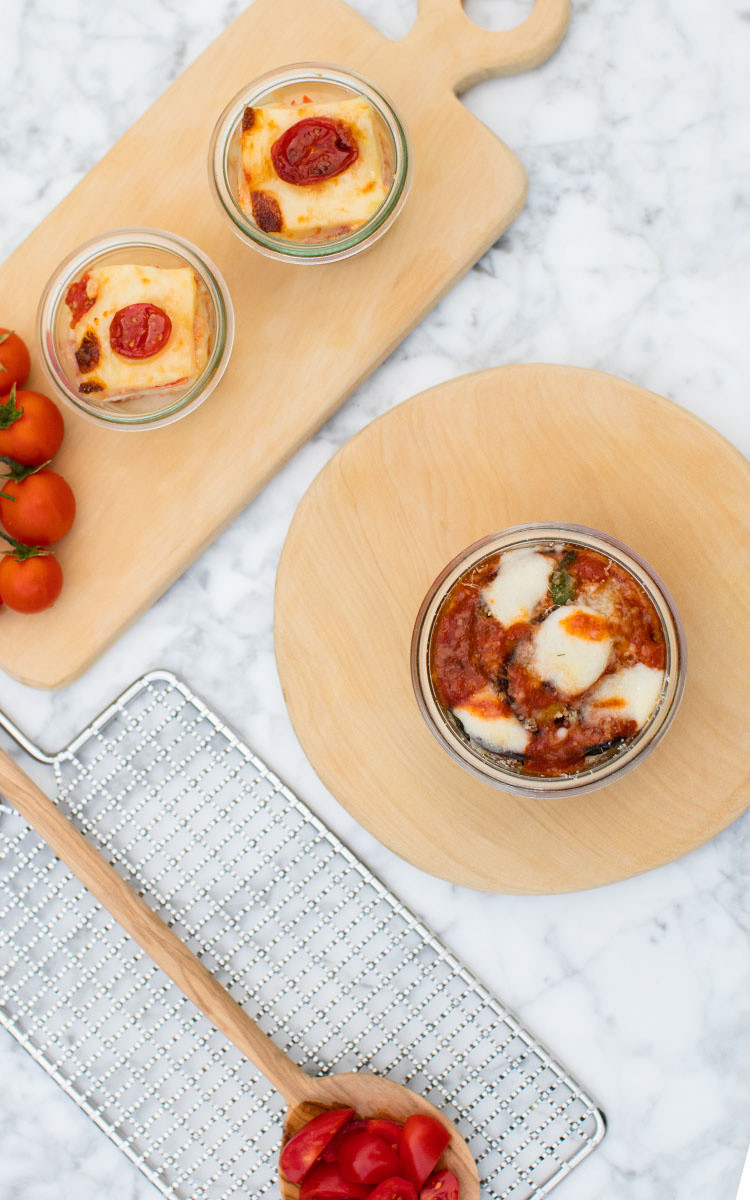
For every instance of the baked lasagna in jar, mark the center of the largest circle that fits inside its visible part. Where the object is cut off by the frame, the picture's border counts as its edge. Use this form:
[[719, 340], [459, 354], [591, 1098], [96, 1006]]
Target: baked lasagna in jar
[[311, 163], [135, 328], [548, 658]]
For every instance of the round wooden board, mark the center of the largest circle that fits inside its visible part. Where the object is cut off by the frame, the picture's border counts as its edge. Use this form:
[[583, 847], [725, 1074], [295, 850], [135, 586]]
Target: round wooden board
[[514, 444]]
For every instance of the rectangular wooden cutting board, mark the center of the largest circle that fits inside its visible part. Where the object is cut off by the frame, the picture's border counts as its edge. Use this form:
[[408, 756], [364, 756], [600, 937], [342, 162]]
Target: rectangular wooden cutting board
[[306, 336]]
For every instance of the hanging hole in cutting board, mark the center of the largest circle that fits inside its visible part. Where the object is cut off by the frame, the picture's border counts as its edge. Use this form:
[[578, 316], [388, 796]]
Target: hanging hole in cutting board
[[498, 14]]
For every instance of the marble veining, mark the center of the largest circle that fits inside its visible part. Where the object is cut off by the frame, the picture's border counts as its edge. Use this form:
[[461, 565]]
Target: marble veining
[[631, 256]]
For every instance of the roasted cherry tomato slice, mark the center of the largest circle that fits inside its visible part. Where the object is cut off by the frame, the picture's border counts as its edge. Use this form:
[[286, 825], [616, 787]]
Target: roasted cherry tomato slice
[[331, 1152], [389, 1131], [31, 428], [78, 300], [30, 585], [301, 1152], [326, 1182], [423, 1140], [395, 1188], [365, 1158], [314, 149], [443, 1185], [139, 330], [15, 363]]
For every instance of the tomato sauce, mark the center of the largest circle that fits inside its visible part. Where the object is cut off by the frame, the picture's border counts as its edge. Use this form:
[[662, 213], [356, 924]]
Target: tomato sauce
[[482, 667]]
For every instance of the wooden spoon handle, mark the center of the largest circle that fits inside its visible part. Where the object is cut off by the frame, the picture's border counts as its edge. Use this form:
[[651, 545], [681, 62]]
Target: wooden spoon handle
[[460, 53], [150, 932]]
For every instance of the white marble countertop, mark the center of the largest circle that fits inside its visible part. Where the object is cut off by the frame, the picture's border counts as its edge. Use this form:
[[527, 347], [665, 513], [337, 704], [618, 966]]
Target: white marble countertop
[[632, 255]]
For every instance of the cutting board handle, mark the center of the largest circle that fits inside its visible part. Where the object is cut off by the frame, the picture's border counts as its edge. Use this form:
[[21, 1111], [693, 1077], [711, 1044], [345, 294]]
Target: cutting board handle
[[465, 54]]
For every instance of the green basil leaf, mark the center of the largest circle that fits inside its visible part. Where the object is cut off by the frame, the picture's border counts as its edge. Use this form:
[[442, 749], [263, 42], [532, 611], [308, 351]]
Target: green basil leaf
[[561, 583]]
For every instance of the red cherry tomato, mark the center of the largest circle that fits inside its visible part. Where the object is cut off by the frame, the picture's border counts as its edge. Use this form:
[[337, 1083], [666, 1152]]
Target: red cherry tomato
[[15, 363], [423, 1140], [39, 509], [443, 1185], [366, 1158], [326, 1182], [139, 330], [389, 1131], [396, 1188], [314, 149], [30, 585], [303, 1150], [31, 428], [331, 1152]]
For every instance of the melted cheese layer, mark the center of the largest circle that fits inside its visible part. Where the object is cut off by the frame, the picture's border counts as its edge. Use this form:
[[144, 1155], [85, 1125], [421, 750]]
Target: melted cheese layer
[[571, 648], [631, 693], [503, 733], [348, 199], [173, 289], [520, 584]]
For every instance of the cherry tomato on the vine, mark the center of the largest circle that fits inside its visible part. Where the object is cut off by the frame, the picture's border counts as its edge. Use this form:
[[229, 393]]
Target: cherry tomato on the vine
[[29, 585], [31, 428], [15, 363], [38, 509]]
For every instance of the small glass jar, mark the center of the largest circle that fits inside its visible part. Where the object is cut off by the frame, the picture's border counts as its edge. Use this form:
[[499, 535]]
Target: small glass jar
[[321, 83], [151, 407], [490, 767]]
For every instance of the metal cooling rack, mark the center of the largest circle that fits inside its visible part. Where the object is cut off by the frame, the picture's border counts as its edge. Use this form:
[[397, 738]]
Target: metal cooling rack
[[342, 975]]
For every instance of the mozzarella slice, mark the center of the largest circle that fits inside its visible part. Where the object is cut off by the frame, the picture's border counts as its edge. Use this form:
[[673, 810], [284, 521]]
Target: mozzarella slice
[[520, 584], [571, 648], [631, 693], [342, 202], [503, 732]]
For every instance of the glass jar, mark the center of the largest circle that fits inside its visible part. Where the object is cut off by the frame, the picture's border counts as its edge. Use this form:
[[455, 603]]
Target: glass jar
[[152, 407], [491, 767], [320, 83]]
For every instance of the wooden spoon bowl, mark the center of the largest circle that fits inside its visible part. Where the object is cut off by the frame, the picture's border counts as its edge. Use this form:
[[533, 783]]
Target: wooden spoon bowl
[[373, 1096], [306, 1096]]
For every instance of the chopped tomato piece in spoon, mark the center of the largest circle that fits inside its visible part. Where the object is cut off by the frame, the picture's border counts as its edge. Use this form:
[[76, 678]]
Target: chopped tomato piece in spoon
[[423, 1140], [443, 1185], [389, 1131], [326, 1182], [301, 1152], [365, 1158], [394, 1189]]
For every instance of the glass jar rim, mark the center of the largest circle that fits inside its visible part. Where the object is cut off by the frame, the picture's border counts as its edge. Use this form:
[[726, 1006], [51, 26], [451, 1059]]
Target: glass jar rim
[[308, 72], [492, 772], [114, 241]]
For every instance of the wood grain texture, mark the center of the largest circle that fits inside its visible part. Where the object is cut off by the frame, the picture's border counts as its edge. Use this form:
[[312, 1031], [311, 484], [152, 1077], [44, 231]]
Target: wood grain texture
[[306, 336], [369, 1094], [505, 446]]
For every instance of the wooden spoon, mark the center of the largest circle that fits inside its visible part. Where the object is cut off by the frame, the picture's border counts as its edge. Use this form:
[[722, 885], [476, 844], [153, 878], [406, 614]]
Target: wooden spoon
[[305, 1095]]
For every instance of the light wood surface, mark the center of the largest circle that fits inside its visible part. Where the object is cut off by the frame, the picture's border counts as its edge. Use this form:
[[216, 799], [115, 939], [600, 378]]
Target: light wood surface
[[368, 1094], [501, 447], [150, 502]]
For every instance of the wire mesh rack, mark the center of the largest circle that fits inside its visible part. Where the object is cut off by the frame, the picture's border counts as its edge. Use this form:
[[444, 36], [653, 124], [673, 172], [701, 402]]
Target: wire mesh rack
[[331, 964]]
